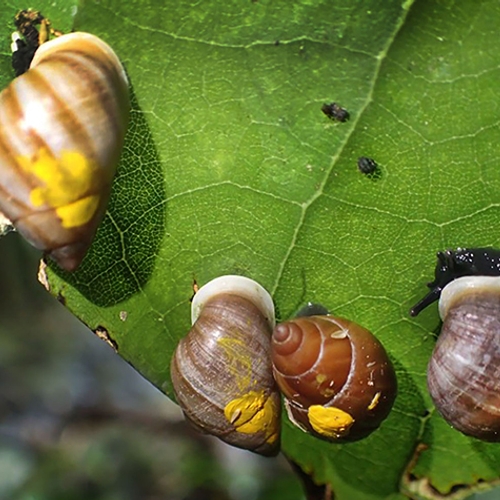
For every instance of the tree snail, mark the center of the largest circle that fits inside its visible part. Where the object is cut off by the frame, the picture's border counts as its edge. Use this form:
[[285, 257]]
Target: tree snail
[[464, 370], [221, 371], [337, 379], [62, 125]]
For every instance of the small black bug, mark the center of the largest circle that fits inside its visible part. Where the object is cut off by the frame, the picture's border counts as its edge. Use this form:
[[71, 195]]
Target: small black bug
[[335, 112], [367, 165], [452, 264]]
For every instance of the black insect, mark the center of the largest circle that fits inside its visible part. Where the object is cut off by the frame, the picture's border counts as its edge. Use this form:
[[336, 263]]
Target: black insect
[[335, 112], [452, 264], [367, 165]]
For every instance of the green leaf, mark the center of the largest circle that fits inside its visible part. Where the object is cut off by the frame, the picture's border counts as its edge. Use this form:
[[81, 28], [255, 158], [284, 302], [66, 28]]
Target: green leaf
[[231, 167]]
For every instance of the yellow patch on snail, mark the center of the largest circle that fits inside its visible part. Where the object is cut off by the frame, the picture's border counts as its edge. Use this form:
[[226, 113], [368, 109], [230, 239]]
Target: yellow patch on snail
[[254, 412], [67, 181], [374, 401], [326, 392], [238, 361], [331, 422]]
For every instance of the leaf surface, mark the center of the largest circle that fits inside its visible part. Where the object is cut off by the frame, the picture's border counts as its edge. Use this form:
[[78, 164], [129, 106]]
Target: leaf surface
[[230, 167]]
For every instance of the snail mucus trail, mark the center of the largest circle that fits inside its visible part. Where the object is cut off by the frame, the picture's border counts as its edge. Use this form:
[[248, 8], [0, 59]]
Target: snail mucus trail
[[337, 379], [62, 126], [463, 374], [221, 371]]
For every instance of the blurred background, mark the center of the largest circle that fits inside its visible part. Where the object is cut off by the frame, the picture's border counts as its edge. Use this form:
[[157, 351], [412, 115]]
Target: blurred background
[[77, 422]]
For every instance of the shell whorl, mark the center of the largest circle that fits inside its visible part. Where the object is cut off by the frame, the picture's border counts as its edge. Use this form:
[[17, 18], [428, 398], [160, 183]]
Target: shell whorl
[[221, 371], [464, 370], [345, 368], [74, 67], [298, 349], [62, 126]]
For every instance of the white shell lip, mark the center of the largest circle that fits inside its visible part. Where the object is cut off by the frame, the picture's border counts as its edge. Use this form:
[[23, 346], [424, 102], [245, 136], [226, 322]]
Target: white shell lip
[[460, 286], [239, 285], [53, 44]]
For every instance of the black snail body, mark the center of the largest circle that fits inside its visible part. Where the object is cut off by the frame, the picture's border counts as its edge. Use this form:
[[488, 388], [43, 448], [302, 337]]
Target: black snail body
[[452, 264], [62, 126], [463, 375], [221, 371], [337, 379]]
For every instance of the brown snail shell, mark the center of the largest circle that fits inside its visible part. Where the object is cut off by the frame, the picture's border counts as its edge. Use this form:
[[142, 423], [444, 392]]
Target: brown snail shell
[[336, 377], [62, 125], [221, 371], [463, 376]]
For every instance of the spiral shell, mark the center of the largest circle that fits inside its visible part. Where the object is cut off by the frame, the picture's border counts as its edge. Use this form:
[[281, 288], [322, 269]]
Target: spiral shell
[[62, 126], [336, 377], [221, 371], [464, 370]]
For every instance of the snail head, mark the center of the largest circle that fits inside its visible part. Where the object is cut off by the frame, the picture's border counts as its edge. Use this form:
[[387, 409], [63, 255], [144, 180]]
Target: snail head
[[447, 269]]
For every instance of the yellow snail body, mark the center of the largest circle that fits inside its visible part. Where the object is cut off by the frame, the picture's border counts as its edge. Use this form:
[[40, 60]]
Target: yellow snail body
[[337, 379], [464, 371], [221, 371], [62, 125]]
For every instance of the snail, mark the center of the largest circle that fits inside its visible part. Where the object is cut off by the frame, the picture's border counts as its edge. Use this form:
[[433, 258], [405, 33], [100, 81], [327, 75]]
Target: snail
[[337, 379], [62, 126], [464, 370], [221, 371]]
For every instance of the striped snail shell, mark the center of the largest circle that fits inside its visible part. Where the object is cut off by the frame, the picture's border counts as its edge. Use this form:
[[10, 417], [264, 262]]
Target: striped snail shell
[[337, 379], [464, 370], [221, 371], [62, 125]]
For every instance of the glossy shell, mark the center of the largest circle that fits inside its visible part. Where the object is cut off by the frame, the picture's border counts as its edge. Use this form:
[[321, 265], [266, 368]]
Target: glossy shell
[[337, 379], [62, 126], [221, 371], [464, 371]]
